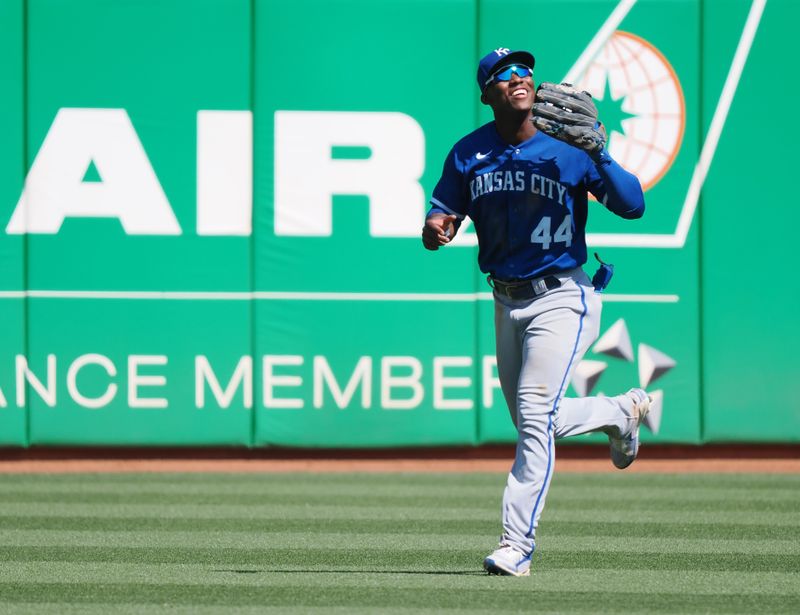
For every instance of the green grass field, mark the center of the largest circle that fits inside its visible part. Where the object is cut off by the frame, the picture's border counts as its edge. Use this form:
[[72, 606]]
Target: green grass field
[[366, 543]]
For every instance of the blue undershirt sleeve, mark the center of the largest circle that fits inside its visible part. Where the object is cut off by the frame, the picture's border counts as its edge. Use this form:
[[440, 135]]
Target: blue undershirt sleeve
[[617, 189]]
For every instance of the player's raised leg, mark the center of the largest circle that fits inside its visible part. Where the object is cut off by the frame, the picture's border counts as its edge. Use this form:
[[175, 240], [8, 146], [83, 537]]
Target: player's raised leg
[[619, 417], [580, 415]]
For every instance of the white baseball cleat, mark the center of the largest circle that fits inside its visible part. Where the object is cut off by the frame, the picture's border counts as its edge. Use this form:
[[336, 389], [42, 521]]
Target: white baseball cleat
[[625, 448], [508, 561]]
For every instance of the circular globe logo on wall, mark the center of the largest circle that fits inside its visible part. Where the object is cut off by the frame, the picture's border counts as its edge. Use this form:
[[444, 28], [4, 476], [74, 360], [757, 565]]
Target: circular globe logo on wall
[[640, 102]]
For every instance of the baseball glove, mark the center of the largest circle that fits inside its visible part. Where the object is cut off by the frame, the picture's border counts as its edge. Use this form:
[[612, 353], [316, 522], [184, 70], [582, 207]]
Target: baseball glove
[[569, 115]]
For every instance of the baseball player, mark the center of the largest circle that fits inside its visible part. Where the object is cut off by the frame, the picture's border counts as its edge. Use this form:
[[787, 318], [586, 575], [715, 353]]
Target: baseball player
[[524, 180]]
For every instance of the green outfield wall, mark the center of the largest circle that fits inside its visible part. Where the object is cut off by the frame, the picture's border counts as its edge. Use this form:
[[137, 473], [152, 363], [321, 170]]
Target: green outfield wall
[[211, 212]]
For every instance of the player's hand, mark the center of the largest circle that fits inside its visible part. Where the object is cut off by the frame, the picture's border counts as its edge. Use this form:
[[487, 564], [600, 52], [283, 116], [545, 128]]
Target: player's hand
[[439, 230], [570, 115]]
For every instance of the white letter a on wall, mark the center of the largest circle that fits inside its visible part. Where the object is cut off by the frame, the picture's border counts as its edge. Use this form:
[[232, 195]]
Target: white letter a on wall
[[128, 188]]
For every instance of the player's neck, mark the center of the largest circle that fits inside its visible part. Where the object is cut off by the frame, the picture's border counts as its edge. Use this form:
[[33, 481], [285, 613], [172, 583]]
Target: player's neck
[[514, 128]]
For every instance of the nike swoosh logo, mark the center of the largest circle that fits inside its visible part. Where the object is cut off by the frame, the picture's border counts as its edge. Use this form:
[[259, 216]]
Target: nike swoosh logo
[[480, 156]]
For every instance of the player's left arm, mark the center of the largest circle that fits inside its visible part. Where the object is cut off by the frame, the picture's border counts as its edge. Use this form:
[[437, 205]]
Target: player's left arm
[[570, 115], [619, 190]]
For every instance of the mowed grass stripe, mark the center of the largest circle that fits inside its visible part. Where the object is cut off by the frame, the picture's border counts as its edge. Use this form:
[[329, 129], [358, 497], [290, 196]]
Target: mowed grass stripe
[[633, 503], [255, 490], [750, 482], [624, 528], [104, 608], [355, 512], [383, 541], [505, 596], [665, 581], [351, 510], [451, 561]]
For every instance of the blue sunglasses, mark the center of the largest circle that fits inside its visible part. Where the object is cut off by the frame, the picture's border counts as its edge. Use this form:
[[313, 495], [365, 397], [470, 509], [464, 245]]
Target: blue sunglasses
[[504, 74]]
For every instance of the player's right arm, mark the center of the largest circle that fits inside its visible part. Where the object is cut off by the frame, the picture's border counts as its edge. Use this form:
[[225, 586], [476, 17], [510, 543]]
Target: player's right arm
[[448, 206]]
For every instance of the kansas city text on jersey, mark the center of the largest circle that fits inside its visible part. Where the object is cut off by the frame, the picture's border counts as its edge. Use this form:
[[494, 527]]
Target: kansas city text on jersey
[[516, 181]]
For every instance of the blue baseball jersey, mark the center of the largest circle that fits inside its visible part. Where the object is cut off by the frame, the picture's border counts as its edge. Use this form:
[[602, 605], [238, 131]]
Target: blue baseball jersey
[[529, 202]]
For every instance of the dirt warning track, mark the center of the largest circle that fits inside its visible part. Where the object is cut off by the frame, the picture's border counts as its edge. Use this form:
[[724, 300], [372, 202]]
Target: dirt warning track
[[782, 459]]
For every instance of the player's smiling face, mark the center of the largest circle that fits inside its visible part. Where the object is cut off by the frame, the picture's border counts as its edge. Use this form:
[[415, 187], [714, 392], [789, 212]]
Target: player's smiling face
[[516, 94]]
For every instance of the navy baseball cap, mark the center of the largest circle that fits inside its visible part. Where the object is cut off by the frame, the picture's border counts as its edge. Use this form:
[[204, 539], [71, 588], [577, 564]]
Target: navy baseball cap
[[500, 57]]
